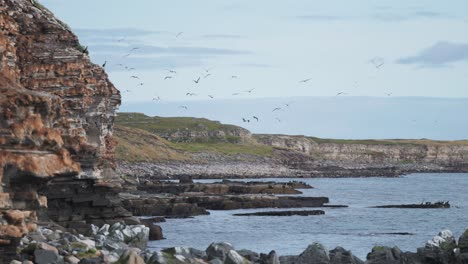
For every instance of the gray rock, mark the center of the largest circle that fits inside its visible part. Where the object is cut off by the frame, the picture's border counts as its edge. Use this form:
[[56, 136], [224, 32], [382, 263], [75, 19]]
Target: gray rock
[[235, 258], [314, 254], [288, 259], [91, 261], [43, 256], [271, 258], [250, 255], [218, 250], [340, 255], [216, 261], [15, 262], [384, 255]]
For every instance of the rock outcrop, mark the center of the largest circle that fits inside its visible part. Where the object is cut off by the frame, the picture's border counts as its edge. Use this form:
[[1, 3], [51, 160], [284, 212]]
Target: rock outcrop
[[56, 118]]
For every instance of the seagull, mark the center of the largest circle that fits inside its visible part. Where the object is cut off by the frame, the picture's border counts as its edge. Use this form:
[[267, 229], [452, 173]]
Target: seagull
[[378, 62], [134, 77], [120, 40], [340, 93], [184, 107], [104, 64], [208, 70], [171, 71], [157, 98], [388, 94], [197, 80], [276, 109], [178, 34], [167, 77], [85, 49], [127, 91], [277, 119], [135, 49], [250, 91], [190, 94], [244, 120], [210, 96], [235, 93], [206, 76], [256, 118], [126, 55], [306, 80], [233, 77], [119, 64], [288, 104], [141, 84]]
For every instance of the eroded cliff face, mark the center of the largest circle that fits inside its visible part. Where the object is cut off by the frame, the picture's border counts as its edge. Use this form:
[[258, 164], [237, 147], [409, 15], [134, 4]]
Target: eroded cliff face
[[56, 117]]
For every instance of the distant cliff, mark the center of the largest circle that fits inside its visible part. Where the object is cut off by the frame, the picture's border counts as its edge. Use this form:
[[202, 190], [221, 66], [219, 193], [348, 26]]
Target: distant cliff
[[211, 153], [56, 118]]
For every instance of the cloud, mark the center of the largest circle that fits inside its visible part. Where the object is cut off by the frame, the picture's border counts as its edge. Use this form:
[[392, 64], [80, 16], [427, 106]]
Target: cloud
[[392, 16], [322, 17], [222, 36], [441, 53]]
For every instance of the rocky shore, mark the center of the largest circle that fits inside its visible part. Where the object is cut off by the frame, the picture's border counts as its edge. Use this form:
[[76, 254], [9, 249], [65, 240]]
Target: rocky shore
[[126, 245]]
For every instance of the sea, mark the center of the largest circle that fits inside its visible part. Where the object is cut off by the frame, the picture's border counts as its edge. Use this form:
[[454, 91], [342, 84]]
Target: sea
[[357, 228]]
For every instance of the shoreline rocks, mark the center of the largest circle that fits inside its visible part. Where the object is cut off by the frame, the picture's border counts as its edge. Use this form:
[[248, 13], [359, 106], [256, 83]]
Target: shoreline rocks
[[426, 205], [122, 244]]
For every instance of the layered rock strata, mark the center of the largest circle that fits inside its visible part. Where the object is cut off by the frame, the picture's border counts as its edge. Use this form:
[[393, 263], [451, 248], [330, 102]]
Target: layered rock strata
[[56, 118]]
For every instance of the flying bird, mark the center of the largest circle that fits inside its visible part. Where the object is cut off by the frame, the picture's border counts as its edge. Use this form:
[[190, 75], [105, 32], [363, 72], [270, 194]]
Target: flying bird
[[210, 96], [167, 77], [156, 98], [378, 62], [104, 64], [288, 104], [126, 55], [235, 93], [276, 109], [120, 40], [206, 76], [141, 84], [209, 69], [389, 94], [190, 94], [256, 118], [197, 80], [234, 77], [134, 49], [306, 80], [178, 34], [340, 93], [277, 119], [171, 71], [134, 77], [250, 91], [184, 107]]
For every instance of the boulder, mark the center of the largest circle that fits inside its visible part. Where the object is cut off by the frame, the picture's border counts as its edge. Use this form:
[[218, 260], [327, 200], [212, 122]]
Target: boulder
[[155, 231], [235, 258], [340, 255], [384, 255], [314, 254], [271, 258], [219, 251], [463, 243], [250, 255]]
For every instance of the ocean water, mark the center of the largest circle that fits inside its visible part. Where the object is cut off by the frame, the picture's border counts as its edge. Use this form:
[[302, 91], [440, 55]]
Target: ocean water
[[357, 228]]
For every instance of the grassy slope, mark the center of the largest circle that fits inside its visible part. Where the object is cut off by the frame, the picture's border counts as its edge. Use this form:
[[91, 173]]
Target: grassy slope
[[137, 143]]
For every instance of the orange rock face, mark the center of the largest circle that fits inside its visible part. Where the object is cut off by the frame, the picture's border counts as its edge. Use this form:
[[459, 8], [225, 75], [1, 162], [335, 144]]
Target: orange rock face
[[56, 113]]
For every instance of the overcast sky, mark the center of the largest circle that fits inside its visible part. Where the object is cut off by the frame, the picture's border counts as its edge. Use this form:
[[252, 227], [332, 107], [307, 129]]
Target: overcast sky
[[245, 52], [272, 45]]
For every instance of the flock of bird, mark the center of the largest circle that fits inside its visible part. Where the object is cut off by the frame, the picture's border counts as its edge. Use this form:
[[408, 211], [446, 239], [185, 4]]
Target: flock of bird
[[377, 62]]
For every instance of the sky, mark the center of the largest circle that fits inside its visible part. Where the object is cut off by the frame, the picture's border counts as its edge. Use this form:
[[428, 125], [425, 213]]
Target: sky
[[254, 50]]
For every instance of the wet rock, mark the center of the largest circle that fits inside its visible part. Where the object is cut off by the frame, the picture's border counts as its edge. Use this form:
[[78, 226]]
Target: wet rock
[[314, 254], [384, 255], [155, 231]]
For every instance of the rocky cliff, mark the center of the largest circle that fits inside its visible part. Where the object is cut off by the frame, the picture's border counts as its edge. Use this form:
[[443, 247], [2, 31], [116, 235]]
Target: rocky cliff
[[56, 118]]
